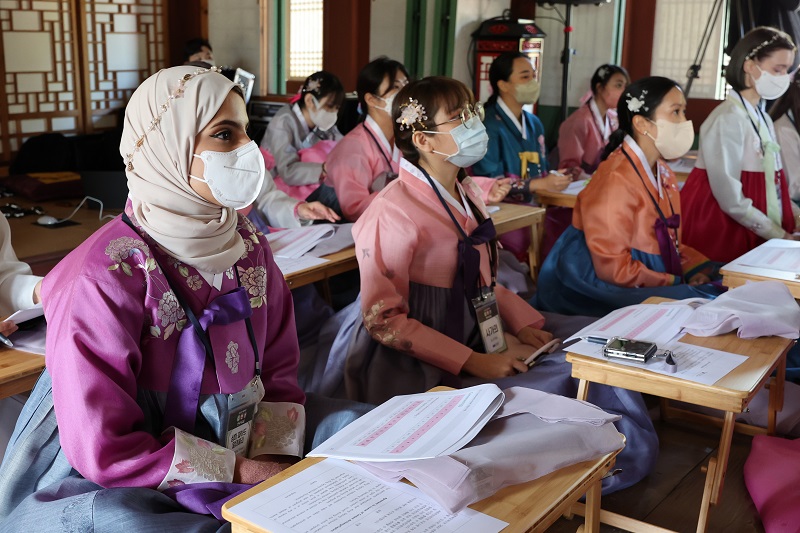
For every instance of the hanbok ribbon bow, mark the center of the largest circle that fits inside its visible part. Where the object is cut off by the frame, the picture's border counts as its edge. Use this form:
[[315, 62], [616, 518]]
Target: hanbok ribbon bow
[[667, 245]]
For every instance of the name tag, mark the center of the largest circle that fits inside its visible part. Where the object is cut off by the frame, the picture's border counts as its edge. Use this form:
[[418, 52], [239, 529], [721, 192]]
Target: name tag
[[489, 323], [241, 411]]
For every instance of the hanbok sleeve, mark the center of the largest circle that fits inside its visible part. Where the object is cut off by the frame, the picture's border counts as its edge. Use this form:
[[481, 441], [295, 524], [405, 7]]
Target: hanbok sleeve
[[385, 245], [572, 136], [789, 140], [94, 332], [350, 172], [516, 312], [722, 152], [277, 206], [608, 223], [485, 186], [278, 140], [16, 280]]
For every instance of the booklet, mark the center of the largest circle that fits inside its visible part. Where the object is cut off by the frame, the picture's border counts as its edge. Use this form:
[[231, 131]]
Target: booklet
[[416, 426]]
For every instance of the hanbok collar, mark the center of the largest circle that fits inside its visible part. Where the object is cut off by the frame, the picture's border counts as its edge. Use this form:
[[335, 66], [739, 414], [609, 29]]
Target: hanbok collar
[[299, 114], [378, 132], [655, 180], [520, 125], [463, 208], [215, 280], [603, 124]]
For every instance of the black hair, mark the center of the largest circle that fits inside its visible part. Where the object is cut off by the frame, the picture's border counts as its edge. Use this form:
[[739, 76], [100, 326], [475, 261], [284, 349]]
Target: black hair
[[758, 44], [641, 97], [321, 84], [500, 70], [194, 46], [604, 73], [431, 93], [371, 77]]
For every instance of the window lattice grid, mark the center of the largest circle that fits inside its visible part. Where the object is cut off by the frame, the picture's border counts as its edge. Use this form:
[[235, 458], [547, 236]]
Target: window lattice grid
[[305, 37], [679, 28]]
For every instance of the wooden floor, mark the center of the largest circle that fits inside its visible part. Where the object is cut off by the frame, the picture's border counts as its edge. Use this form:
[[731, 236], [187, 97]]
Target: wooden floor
[[670, 496]]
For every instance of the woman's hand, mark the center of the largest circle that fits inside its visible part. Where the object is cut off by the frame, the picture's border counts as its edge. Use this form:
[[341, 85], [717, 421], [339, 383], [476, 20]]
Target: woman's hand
[[699, 279], [252, 471], [37, 292], [551, 182], [7, 327], [534, 337], [316, 211], [495, 365], [499, 190]]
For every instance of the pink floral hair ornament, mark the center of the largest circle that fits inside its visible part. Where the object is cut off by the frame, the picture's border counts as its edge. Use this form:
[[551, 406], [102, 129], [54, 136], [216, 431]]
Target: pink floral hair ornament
[[636, 103], [177, 93], [411, 114]]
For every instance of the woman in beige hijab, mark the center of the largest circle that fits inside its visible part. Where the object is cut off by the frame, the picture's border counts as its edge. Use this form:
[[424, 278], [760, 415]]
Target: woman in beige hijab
[[167, 329]]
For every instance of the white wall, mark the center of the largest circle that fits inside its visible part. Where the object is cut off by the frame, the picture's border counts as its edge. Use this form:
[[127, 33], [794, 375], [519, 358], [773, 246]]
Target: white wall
[[469, 15], [591, 38], [387, 29], [234, 33]]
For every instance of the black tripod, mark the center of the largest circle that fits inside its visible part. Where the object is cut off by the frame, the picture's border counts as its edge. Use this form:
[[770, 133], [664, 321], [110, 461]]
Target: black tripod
[[694, 71]]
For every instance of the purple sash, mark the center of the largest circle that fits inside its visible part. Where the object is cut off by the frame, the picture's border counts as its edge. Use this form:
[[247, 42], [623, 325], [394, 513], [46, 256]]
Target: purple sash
[[666, 244]]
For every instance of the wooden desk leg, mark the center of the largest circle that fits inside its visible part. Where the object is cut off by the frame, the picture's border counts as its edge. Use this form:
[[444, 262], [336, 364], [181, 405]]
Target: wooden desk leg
[[776, 396], [722, 457], [535, 250], [583, 390], [705, 503], [592, 516]]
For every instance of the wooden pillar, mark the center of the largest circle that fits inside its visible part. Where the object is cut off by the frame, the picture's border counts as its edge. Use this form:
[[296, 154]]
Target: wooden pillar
[[187, 19], [637, 44], [523, 9], [345, 39]]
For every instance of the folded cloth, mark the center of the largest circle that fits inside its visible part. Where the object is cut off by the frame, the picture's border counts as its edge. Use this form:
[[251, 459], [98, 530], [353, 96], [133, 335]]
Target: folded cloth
[[757, 309], [516, 446]]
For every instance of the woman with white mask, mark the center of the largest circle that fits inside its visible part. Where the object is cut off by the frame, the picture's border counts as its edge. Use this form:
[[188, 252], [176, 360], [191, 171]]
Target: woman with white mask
[[624, 244], [430, 312], [166, 328], [737, 196], [302, 134]]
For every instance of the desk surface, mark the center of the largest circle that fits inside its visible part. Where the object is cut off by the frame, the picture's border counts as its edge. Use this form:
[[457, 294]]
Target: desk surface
[[560, 199], [18, 371], [731, 393], [531, 506], [736, 279]]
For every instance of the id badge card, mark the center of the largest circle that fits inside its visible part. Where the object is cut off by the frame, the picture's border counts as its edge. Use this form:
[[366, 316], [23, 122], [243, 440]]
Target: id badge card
[[489, 323], [241, 411]]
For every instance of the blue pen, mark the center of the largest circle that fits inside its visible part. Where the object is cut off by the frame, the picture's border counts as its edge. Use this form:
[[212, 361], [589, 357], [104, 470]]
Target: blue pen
[[596, 340], [6, 341]]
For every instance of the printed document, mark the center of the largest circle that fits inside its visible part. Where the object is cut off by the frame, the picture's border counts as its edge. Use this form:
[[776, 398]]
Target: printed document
[[416, 426], [336, 496], [776, 258], [296, 242], [290, 265], [659, 323]]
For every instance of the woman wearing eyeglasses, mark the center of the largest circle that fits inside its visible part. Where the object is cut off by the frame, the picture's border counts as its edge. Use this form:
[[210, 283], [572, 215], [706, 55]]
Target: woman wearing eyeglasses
[[430, 312]]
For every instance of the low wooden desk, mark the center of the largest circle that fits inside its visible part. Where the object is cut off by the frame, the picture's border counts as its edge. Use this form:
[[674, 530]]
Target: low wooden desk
[[556, 199], [42, 247], [731, 394], [516, 216], [18, 371], [735, 279]]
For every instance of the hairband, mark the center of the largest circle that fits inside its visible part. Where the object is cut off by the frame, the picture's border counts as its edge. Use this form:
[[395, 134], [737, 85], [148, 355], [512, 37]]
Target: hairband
[[764, 44], [411, 114], [177, 93]]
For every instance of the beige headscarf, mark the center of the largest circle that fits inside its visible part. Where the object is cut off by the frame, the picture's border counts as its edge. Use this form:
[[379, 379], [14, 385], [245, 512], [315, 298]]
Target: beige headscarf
[[188, 227]]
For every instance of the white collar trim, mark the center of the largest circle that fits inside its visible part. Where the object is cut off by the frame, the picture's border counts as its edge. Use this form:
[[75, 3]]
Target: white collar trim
[[655, 180], [520, 125], [299, 114], [462, 208]]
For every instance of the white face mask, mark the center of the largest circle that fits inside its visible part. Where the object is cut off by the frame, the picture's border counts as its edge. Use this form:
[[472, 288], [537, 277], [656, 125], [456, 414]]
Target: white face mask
[[771, 86], [674, 139], [321, 117], [528, 92], [389, 100], [471, 142], [234, 178]]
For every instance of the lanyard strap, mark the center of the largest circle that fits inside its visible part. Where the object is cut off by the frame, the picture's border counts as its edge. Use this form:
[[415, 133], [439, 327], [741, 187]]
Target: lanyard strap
[[380, 148], [198, 329], [652, 198]]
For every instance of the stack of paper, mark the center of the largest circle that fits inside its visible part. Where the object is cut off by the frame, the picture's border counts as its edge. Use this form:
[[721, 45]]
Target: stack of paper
[[29, 339], [575, 187], [776, 258]]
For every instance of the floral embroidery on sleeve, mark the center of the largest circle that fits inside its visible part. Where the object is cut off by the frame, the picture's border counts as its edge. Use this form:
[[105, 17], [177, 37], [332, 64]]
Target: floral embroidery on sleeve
[[170, 314], [197, 460], [375, 320]]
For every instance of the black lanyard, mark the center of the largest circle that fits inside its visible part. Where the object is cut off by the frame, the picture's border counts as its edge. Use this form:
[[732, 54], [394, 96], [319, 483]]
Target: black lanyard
[[380, 149], [755, 126], [492, 250], [655, 203], [201, 333]]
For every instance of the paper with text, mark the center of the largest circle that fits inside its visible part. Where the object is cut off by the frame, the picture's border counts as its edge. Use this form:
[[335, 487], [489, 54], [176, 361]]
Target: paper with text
[[336, 496], [694, 363], [776, 258], [289, 265], [415, 426], [645, 322], [297, 241]]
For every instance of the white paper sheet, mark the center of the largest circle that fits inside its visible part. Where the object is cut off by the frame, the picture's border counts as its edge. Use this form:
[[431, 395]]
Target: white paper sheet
[[492, 209], [26, 314], [415, 426], [289, 265], [343, 238], [694, 363], [645, 322], [776, 258], [336, 496], [575, 187], [297, 241]]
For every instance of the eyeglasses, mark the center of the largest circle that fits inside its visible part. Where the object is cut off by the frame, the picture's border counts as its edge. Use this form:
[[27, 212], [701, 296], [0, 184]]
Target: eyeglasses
[[469, 111]]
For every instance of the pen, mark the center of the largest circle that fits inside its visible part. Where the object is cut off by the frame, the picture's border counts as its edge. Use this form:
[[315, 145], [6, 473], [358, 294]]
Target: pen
[[596, 340], [5, 341]]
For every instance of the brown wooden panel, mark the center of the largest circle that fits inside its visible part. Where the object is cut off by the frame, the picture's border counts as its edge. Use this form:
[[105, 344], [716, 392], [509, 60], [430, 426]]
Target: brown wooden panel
[[187, 19], [637, 44], [345, 39]]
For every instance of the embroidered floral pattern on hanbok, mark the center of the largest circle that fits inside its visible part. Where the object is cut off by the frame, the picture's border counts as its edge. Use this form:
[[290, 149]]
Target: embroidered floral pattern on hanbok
[[271, 427], [194, 282], [254, 280], [197, 460], [232, 357], [375, 320], [122, 248]]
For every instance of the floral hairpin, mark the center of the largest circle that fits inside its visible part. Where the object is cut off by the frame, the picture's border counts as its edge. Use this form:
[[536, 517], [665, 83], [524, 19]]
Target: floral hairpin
[[636, 103], [313, 86], [758, 48], [602, 72], [177, 93], [411, 114]]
